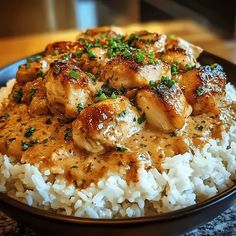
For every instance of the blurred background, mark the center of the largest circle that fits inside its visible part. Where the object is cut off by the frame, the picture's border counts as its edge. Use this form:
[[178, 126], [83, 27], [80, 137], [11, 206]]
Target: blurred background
[[208, 23]]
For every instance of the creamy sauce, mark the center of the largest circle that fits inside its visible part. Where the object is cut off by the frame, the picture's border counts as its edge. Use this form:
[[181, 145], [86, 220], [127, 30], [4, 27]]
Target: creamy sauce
[[50, 145]]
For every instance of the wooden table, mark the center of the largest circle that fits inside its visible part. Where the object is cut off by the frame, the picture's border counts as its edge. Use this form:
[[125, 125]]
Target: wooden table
[[14, 48]]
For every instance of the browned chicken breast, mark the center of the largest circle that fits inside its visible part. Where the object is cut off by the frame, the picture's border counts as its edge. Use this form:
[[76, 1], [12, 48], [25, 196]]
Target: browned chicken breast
[[125, 72], [179, 56], [175, 42], [67, 88], [149, 42], [204, 88], [164, 105], [105, 125], [57, 48]]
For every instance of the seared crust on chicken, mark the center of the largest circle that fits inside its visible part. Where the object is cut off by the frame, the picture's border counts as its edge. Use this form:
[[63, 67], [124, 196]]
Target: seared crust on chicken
[[175, 42], [204, 88], [125, 72], [165, 107], [105, 125], [62, 47], [68, 86], [150, 42]]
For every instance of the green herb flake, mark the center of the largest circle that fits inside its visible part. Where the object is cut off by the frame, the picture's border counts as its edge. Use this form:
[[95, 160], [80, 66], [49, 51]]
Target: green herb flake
[[113, 95], [40, 74], [127, 53], [187, 67], [174, 68], [121, 149], [73, 74], [199, 127], [29, 131], [151, 55], [24, 146], [78, 54], [152, 83], [32, 92], [55, 53], [199, 91], [80, 107], [101, 97], [213, 66], [167, 81], [68, 134], [139, 57], [17, 95], [27, 66], [91, 55], [141, 119]]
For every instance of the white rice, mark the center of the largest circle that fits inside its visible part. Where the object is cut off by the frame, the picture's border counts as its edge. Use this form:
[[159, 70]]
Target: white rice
[[185, 180]]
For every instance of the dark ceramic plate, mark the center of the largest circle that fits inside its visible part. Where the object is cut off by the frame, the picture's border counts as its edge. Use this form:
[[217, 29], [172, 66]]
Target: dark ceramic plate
[[173, 223]]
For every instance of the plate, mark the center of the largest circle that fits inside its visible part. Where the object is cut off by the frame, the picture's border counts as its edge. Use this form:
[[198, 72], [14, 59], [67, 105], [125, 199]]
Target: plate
[[176, 222]]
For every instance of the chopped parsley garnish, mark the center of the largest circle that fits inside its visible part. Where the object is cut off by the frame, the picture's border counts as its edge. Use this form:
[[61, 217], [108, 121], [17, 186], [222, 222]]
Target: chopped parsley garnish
[[121, 149], [132, 38], [127, 53], [73, 74], [68, 134], [199, 127], [27, 65], [152, 83], [101, 97], [25, 145], [17, 95], [199, 91], [32, 92], [40, 74], [29, 59], [139, 57], [167, 81], [141, 119], [213, 66], [78, 53], [29, 132], [91, 55], [187, 67], [113, 95], [80, 107], [174, 68], [55, 53], [48, 121]]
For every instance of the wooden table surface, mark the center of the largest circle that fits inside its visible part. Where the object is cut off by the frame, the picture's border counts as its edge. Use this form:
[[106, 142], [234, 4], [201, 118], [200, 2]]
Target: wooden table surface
[[14, 48]]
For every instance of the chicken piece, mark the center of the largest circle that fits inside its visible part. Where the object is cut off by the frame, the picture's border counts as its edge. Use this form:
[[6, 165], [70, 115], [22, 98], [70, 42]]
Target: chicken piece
[[101, 32], [67, 88], [164, 105], [150, 42], [28, 72], [105, 125], [34, 95], [94, 60], [175, 42], [57, 48], [124, 72], [179, 56], [204, 88]]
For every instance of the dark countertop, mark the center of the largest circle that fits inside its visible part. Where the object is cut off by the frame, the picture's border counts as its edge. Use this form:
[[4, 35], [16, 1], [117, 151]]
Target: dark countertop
[[223, 225]]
